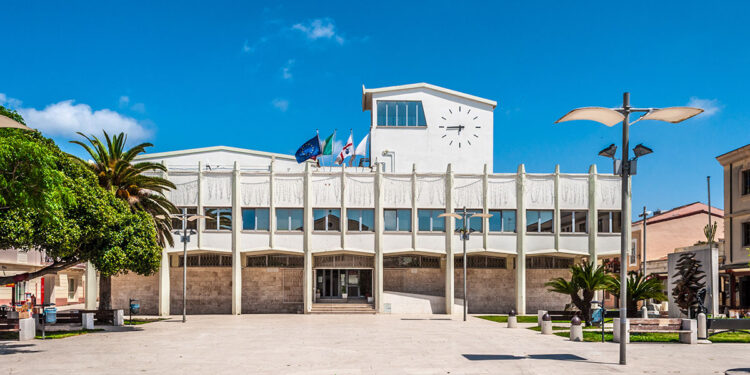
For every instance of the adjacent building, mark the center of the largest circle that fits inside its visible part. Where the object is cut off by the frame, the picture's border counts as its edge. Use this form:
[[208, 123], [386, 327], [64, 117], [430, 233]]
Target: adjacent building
[[284, 237], [64, 288]]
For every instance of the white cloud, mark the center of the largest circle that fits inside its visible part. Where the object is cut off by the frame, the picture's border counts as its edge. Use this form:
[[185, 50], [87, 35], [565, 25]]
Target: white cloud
[[65, 118], [138, 107], [286, 70], [319, 28], [124, 101], [710, 106], [7, 101], [280, 104], [250, 48]]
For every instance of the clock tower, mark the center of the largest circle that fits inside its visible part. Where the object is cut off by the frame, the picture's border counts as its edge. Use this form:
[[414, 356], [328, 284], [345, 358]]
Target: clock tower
[[429, 126]]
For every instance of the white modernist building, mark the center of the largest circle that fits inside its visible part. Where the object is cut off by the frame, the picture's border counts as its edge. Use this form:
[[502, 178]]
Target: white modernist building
[[286, 237]]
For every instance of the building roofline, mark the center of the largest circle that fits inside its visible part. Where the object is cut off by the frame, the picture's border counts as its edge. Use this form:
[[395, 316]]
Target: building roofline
[[201, 150], [727, 157], [661, 217], [367, 93]]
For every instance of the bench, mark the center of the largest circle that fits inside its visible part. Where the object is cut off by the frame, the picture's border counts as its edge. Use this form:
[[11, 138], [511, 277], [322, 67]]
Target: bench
[[25, 327], [65, 317], [728, 325], [114, 317], [686, 328]]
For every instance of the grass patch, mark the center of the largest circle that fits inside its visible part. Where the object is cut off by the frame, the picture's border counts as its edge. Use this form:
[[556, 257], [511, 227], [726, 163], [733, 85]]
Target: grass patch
[[137, 322], [596, 336], [504, 318], [554, 328], [64, 334], [731, 337]]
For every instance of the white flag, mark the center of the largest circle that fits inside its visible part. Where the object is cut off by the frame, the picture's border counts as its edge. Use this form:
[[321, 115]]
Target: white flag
[[362, 147], [346, 151]]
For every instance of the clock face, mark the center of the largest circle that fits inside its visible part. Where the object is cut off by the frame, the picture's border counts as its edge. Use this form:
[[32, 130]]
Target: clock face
[[460, 127]]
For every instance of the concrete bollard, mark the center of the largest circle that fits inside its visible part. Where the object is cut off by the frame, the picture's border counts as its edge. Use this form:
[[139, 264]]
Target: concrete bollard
[[576, 330], [546, 324], [616, 330], [26, 329], [702, 330], [87, 321], [512, 319], [119, 318], [644, 312], [539, 315]]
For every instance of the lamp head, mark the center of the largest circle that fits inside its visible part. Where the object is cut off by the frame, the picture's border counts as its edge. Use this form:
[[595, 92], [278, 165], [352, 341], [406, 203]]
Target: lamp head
[[609, 152], [641, 150]]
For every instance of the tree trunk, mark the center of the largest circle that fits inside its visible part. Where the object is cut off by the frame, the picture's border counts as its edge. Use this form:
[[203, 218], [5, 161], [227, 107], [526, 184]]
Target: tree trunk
[[105, 292]]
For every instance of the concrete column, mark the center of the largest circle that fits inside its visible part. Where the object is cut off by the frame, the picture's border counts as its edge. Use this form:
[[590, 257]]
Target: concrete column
[[592, 215], [343, 221], [164, 291], [236, 254], [414, 216], [307, 282], [485, 207], [450, 224], [520, 236], [91, 287], [557, 215], [378, 213], [199, 224], [271, 206]]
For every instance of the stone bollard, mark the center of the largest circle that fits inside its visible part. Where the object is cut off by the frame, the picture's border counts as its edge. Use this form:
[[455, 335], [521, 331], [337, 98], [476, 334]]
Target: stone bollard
[[616, 330], [546, 324], [26, 329], [576, 330], [119, 318], [87, 320], [512, 319], [539, 315], [702, 331], [644, 312]]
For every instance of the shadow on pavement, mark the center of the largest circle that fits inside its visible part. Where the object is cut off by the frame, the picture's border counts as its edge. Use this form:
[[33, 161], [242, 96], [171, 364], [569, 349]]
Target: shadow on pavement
[[506, 357], [15, 348]]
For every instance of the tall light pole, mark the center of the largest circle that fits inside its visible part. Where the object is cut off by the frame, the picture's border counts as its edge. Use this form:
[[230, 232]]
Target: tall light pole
[[611, 117], [465, 237], [185, 238], [644, 215]]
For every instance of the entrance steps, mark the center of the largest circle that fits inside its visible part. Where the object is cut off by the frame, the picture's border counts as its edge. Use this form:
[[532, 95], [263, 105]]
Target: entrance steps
[[342, 308]]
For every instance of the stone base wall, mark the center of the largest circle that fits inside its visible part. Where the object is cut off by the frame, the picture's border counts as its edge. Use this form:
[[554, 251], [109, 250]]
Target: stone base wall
[[272, 290], [537, 295], [143, 288], [491, 290], [429, 281], [209, 290]]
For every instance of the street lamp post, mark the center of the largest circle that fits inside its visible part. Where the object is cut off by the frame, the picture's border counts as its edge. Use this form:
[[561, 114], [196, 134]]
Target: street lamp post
[[464, 238], [644, 215], [611, 117]]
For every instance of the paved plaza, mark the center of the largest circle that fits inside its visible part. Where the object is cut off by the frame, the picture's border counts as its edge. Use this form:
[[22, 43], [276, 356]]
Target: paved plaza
[[350, 344]]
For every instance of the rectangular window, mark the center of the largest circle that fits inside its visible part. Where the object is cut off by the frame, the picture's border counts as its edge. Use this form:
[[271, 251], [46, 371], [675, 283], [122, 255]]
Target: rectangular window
[[430, 220], [573, 221], [745, 234], [360, 219], [289, 219], [207, 260], [475, 223], [397, 220], [411, 261], [539, 221], [255, 219], [327, 219], [502, 221], [276, 260], [218, 218], [746, 182], [548, 262], [480, 261], [177, 221], [608, 222], [400, 113]]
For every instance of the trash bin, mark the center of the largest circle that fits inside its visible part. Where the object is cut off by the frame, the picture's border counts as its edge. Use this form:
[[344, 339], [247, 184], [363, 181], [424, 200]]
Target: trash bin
[[597, 316], [135, 306], [50, 315]]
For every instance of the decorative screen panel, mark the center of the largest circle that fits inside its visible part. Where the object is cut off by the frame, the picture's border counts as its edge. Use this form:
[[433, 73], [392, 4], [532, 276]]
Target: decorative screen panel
[[288, 191], [255, 190], [186, 191], [396, 191], [574, 192], [217, 190], [468, 192], [539, 192], [431, 192], [608, 192], [326, 191], [360, 191], [501, 192]]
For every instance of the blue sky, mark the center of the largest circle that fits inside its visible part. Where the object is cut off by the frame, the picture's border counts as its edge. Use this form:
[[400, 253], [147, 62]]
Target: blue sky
[[266, 75]]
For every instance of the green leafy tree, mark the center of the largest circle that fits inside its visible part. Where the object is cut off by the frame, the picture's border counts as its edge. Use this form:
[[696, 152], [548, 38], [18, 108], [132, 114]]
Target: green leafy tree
[[689, 280], [585, 280], [130, 181], [639, 288], [50, 203]]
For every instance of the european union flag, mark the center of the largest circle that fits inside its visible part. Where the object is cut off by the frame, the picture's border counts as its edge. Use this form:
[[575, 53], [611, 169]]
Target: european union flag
[[308, 150]]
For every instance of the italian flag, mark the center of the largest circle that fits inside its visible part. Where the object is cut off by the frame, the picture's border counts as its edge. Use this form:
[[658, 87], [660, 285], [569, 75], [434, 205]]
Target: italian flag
[[326, 146]]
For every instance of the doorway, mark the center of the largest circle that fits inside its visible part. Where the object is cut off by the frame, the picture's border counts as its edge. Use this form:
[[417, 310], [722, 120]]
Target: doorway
[[334, 283]]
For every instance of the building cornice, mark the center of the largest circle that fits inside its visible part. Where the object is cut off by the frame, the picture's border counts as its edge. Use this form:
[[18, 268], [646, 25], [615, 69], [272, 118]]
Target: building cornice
[[203, 150], [367, 93]]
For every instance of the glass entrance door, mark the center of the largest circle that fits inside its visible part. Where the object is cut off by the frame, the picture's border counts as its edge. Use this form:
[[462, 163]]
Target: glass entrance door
[[333, 283]]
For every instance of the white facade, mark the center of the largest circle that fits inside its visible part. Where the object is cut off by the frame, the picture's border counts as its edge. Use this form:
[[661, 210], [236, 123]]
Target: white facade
[[240, 179]]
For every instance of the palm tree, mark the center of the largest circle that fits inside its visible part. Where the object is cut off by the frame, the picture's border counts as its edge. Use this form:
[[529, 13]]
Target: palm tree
[[116, 171], [585, 280], [639, 288]]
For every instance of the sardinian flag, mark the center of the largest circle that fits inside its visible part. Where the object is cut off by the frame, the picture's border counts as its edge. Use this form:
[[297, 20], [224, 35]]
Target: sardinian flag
[[346, 151]]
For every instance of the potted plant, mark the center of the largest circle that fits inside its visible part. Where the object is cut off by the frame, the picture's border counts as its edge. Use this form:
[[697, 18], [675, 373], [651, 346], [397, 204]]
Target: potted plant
[[317, 294], [344, 295], [369, 297]]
